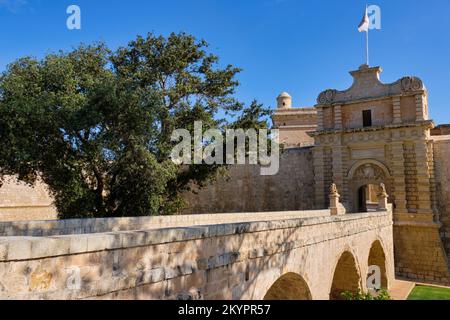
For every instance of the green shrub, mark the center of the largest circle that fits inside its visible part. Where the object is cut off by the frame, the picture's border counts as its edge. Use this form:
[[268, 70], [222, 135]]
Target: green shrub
[[382, 294]]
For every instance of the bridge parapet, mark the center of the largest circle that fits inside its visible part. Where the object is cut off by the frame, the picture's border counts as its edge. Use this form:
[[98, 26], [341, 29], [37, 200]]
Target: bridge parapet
[[234, 260], [89, 226]]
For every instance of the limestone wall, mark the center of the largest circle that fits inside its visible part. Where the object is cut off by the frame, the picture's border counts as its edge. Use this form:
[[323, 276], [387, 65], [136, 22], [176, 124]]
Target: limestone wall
[[245, 190], [442, 174], [422, 248], [352, 115], [19, 202], [221, 261], [419, 252], [293, 137], [294, 125]]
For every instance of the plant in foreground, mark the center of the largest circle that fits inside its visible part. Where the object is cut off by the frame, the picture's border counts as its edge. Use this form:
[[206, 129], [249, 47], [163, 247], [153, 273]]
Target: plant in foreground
[[381, 294]]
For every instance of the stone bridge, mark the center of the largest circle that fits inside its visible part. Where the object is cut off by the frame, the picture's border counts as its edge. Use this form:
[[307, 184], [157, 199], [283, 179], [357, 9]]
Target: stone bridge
[[278, 255]]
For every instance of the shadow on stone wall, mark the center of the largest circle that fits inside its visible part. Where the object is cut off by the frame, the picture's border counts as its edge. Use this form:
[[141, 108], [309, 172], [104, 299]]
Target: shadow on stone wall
[[245, 190]]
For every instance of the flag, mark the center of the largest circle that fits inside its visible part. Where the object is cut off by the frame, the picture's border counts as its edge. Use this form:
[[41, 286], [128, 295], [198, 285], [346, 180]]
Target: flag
[[364, 25]]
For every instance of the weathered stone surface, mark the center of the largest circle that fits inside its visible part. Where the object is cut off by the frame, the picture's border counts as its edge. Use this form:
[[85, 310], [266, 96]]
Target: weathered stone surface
[[373, 134], [291, 189], [142, 224], [225, 261], [19, 201], [399, 148]]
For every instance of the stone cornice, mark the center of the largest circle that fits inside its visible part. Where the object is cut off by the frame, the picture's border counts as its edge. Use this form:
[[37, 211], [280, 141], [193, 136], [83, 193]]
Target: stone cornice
[[441, 139], [368, 99], [312, 127], [428, 124], [295, 112]]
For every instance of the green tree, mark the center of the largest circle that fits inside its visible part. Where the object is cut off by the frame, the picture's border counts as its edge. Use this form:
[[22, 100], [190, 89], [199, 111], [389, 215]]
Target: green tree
[[96, 125]]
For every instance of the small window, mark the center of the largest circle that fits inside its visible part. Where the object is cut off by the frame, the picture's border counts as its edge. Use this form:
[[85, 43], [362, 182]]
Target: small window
[[367, 118]]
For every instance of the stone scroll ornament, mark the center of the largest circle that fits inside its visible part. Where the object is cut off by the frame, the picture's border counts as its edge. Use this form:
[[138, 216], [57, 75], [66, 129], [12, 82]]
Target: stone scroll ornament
[[411, 84], [369, 172], [327, 97]]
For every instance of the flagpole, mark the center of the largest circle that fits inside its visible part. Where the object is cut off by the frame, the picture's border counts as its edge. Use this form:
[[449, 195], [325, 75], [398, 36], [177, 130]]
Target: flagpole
[[365, 27], [367, 47], [367, 39]]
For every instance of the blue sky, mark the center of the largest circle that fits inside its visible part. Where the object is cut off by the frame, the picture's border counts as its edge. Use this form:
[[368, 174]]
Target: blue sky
[[299, 46]]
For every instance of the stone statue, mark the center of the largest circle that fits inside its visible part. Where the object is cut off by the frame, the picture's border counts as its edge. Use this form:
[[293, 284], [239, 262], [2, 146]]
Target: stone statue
[[382, 198], [333, 190], [383, 191]]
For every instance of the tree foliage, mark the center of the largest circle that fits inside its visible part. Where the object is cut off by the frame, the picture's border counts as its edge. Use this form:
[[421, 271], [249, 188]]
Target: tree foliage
[[95, 125]]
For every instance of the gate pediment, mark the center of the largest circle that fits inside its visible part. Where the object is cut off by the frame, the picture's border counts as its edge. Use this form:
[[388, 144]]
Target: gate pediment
[[368, 170]]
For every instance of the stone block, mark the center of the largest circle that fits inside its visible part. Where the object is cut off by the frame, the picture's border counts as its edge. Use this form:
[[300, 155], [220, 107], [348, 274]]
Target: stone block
[[19, 248], [158, 275]]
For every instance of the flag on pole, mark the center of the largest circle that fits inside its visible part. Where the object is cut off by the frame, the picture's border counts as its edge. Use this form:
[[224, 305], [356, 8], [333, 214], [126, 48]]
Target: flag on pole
[[364, 25]]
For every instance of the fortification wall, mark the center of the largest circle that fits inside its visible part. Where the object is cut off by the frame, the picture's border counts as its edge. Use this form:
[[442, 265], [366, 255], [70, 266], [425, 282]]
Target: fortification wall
[[19, 202], [245, 190], [442, 173], [422, 247]]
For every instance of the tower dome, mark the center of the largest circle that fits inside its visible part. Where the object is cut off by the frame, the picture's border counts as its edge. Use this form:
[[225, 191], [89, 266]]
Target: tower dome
[[284, 101]]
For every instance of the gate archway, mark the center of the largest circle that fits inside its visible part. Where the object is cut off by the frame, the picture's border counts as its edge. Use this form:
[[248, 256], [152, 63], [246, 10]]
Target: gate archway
[[364, 180]]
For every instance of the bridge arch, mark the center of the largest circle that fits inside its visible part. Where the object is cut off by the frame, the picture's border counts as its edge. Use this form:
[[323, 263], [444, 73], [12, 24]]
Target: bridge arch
[[377, 257], [346, 276], [290, 286]]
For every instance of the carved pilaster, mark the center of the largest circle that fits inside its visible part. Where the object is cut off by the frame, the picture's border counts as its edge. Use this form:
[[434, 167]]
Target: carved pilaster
[[396, 102], [345, 168], [318, 154], [338, 166], [420, 107], [423, 178], [338, 117], [398, 173], [430, 146], [320, 124]]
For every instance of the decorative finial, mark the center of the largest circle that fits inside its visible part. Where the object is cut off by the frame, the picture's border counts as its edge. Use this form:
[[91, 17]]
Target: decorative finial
[[336, 208], [333, 189], [382, 198], [383, 191], [364, 67]]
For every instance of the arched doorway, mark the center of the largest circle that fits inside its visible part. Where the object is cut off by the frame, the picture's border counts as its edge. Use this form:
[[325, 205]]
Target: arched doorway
[[378, 258], [291, 286], [346, 277], [364, 180], [368, 198]]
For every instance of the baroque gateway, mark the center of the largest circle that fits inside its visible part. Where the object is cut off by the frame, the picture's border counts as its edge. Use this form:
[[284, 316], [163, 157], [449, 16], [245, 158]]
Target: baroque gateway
[[389, 206]]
